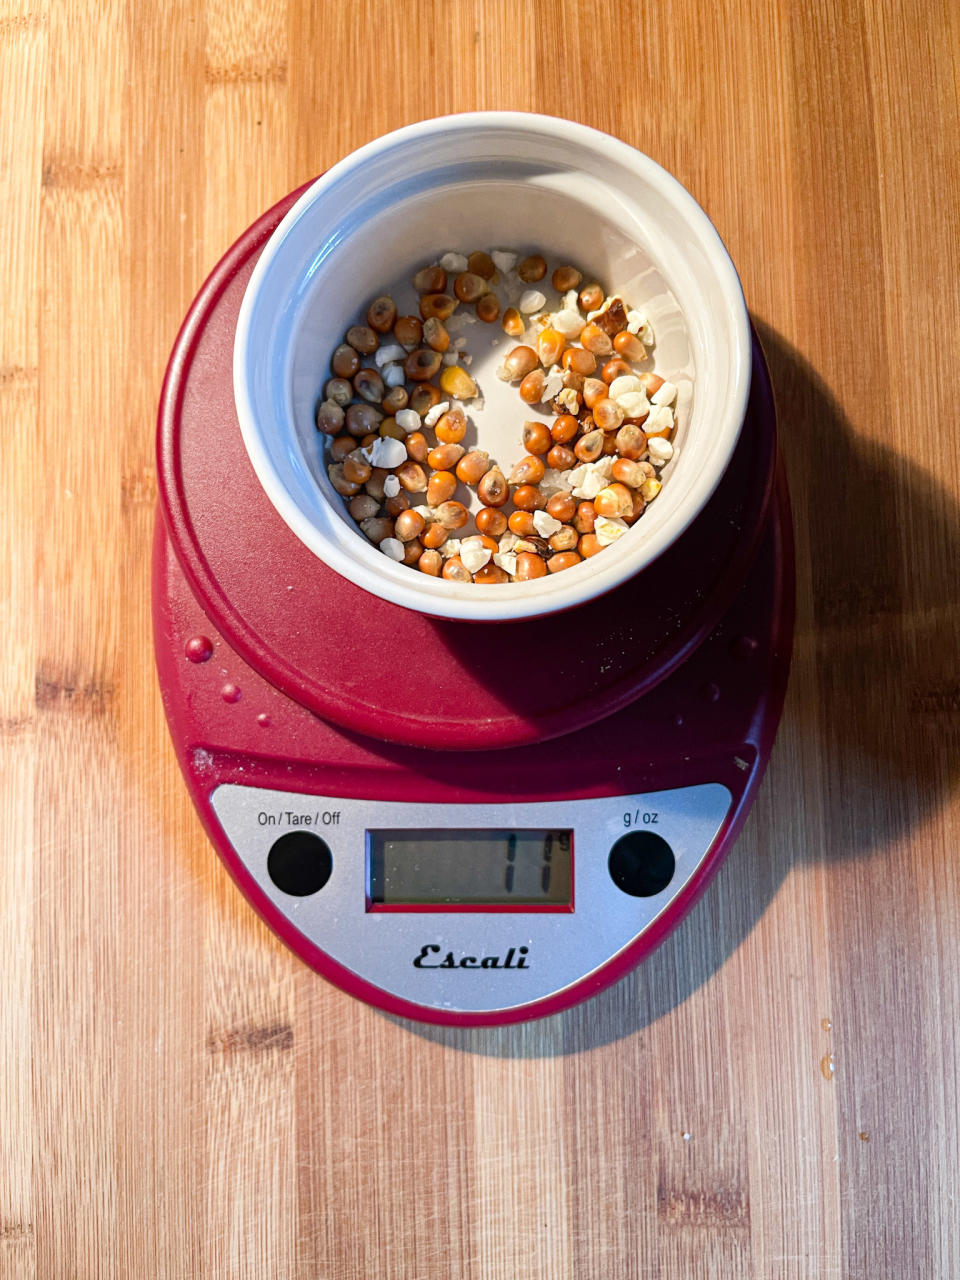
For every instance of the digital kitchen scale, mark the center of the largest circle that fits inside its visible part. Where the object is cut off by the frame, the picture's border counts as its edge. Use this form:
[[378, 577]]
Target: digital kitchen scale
[[458, 822]]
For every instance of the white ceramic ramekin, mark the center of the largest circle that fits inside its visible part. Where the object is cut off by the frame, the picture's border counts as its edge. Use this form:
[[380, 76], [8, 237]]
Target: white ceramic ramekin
[[481, 181]]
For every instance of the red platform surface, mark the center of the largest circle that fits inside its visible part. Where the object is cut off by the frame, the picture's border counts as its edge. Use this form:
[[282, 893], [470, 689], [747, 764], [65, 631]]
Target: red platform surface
[[387, 671]]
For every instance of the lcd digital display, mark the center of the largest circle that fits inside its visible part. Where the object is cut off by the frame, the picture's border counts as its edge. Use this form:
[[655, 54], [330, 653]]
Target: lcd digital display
[[433, 867]]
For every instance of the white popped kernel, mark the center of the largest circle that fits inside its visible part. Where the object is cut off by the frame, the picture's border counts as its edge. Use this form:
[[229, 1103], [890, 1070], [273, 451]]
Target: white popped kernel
[[393, 375], [386, 452], [459, 344], [428, 513], [569, 323], [571, 300], [407, 419], [660, 450], [552, 386], [512, 287], [391, 486], [474, 555], [508, 542], [450, 358], [507, 561], [459, 320], [453, 262], [502, 260], [634, 404], [621, 386], [545, 524], [604, 466], [666, 393], [608, 529], [553, 481], [393, 548], [635, 319], [590, 485], [466, 359], [532, 300], [660, 419], [387, 355], [570, 400], [436, 413], [503, 373], [450, 548]]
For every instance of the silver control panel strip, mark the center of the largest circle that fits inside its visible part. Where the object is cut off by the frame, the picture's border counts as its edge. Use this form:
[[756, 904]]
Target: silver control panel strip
[[476, 961]]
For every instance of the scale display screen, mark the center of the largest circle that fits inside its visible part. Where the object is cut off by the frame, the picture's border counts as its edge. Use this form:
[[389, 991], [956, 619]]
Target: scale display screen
[[421, 867]]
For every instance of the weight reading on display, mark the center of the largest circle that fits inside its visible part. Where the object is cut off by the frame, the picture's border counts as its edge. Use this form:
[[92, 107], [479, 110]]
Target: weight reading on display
[[422, 867]]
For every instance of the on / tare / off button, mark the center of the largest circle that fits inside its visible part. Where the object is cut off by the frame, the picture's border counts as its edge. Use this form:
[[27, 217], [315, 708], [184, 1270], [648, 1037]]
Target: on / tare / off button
[[642, 864], [299, 863]]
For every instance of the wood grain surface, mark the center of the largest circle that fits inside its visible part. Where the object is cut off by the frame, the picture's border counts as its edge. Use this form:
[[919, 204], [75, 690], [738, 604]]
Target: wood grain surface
[[774, 1094]]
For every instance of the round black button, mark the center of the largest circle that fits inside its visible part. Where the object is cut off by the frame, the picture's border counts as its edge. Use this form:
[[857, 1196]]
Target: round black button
[[299, 863], [642, 864]]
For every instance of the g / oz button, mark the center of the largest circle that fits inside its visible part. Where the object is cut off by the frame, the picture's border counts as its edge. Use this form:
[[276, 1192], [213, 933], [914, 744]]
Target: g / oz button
[[641, 864], [299, 863]]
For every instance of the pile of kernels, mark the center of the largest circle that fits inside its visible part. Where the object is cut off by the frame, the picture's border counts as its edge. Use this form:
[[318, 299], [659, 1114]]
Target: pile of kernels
[[586, 477]]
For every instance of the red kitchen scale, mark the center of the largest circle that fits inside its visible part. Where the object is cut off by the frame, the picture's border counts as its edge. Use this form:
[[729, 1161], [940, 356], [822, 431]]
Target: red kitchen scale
[[458, 822]]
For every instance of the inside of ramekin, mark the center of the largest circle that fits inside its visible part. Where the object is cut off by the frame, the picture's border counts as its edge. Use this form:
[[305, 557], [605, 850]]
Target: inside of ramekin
[[373, 223]]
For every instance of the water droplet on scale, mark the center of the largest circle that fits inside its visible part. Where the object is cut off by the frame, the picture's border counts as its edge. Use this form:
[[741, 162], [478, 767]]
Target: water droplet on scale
[[827, 1024], [863, 1136], [263, 720], [198, 648], [744, 647], [230, 692], [827, 1066]]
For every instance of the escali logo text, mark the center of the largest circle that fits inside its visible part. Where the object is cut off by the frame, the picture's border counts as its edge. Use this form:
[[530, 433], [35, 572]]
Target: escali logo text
[[516, 958]]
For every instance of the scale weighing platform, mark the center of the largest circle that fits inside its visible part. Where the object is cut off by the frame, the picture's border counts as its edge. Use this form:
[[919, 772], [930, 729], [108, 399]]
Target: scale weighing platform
[[458, 822]]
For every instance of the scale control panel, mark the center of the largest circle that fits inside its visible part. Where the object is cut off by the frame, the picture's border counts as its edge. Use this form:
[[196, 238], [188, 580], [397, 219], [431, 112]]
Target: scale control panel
[[474, 908]]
